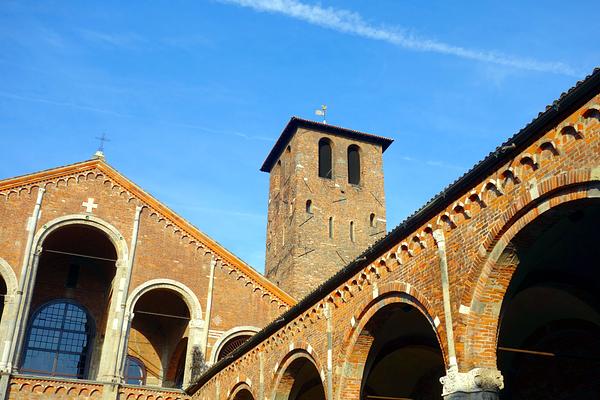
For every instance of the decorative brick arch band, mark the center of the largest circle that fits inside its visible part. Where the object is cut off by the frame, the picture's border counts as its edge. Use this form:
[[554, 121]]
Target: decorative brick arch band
[[494, 275], [283, 383], [357, 346]]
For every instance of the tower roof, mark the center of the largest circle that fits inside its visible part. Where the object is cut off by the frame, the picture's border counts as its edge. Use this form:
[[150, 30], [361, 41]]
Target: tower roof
[[295, 123]]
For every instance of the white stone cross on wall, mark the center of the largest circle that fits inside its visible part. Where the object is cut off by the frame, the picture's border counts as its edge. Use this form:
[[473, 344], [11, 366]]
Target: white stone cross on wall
[[89, 205]]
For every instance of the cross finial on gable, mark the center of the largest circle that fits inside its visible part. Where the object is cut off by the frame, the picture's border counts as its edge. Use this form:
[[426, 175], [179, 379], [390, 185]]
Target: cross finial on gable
[[103, 139]]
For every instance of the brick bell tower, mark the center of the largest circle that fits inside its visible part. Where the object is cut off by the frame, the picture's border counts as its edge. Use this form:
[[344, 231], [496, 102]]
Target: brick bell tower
[[326, 202]]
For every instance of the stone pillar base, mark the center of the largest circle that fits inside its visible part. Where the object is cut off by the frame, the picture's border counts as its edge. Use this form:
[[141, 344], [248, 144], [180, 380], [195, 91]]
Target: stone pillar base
[[477, 384]]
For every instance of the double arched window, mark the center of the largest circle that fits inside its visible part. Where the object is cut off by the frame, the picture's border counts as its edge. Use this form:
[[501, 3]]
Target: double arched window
[[325, 159], [59, 341]]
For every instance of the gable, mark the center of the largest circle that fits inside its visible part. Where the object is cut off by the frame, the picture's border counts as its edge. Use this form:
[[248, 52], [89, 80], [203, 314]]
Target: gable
[[120, 187]]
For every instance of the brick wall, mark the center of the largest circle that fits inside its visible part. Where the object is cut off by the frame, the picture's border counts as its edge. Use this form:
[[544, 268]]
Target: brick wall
[[558, 165], [300, 252]]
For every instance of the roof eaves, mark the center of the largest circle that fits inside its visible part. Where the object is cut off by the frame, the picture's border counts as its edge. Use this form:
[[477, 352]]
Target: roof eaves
[[297, 122]]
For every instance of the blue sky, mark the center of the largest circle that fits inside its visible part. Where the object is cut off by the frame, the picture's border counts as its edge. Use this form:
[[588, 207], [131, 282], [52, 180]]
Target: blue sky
[[193, 94]]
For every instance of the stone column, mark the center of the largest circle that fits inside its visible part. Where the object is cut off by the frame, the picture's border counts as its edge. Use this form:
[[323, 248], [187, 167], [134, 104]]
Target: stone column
[[476, 384], [109, 351], [207, 312], [112, 358], [31, 256], [195, 334]]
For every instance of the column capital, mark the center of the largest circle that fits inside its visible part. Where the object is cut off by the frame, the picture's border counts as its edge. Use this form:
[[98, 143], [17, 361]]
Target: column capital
[[196, 324], [486, 382]]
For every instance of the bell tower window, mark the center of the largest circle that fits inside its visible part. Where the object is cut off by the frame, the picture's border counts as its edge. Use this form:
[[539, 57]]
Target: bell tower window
[[325, 162], [353, 164]]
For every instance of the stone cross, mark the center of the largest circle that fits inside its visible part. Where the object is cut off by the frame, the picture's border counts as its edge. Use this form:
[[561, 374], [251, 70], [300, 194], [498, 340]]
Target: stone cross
[[89, 205]]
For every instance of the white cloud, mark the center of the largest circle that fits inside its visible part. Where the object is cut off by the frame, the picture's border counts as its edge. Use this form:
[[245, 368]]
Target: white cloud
[[350, 22]]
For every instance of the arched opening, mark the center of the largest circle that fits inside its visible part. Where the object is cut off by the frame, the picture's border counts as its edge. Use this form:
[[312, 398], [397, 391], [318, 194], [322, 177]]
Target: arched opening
[[325, 159], [135, 371], [353, 164], [330, 228], [300, 380], [372, 221], [399, 356], [59, 340], [158, 336], [231, 344], [242, 394], [309, 206], [549, 334], [71, 295], [352, 231]]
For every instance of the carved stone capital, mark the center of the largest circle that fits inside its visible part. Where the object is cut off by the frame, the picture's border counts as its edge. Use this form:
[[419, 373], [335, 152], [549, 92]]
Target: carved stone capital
[[476, 380]]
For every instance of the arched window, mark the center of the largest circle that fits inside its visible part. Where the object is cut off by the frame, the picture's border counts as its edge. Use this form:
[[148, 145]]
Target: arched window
[[372, 221], [59, 341], [232, 344], [309, 206], [352, 231], [353, 164], [325, 162], [135, 371]]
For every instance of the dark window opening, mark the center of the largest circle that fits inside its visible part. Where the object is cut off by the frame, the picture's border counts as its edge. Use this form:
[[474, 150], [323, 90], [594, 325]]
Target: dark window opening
[[309, 207], [353, 165], [372, 221], [72, 276], [325, 164], [352, 231], [330, 227]]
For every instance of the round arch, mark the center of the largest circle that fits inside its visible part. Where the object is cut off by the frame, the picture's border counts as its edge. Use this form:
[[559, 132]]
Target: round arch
[[499, 266], [185, 292], [109, 230], [229, 335], [8, 274], [241, 391], [71, 313], [395, 293], [284, 381], [29, 276]]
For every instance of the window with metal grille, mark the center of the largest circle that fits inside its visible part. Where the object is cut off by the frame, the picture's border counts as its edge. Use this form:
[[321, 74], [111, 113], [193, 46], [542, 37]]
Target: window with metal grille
[[325, 164], [231, 345], [59, 341], [135, 371], [353, 164]]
